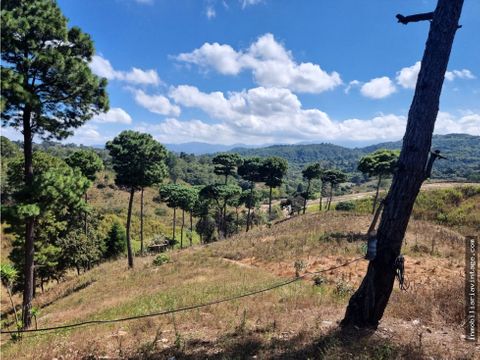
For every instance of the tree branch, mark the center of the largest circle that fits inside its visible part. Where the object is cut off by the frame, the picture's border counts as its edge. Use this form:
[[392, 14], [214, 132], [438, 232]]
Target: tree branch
[[414, 18]]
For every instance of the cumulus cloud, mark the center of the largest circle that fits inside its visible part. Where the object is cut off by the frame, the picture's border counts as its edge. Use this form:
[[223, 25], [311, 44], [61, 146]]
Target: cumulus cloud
[[263, 115], [460, 74], [102, 67], [114, 115], [276, 115], [157, 104], [271, 64], [378, 88], [467, 123], [407, 76]]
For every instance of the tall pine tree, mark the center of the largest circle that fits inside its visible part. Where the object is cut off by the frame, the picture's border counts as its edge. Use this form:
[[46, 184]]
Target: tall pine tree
[[47, 90]]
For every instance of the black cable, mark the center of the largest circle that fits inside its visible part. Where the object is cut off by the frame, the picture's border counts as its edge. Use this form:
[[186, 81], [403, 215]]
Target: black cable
[[186, 308]]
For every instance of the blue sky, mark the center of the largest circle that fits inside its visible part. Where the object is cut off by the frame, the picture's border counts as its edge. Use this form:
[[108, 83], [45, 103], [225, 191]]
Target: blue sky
[[270, 71]]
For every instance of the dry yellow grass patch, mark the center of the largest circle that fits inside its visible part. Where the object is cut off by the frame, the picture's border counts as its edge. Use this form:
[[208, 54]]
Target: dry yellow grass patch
[[296, 321]]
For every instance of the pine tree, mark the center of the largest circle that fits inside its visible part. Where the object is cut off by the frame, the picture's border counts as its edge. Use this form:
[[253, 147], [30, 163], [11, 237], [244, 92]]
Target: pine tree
[[47, 90]]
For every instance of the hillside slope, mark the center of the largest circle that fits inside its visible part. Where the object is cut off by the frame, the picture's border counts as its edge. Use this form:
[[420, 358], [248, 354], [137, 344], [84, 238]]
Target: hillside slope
[[295, 321]]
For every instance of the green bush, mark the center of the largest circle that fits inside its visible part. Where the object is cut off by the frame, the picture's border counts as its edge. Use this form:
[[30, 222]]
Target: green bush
[[116, 241], [161, 259], [345, 206]]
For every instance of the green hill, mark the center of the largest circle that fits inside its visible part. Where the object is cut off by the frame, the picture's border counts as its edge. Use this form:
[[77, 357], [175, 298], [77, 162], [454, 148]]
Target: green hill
[[462, 151]]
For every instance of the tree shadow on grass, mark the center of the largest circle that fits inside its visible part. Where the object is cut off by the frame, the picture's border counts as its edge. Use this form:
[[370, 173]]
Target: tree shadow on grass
[[336, 344]]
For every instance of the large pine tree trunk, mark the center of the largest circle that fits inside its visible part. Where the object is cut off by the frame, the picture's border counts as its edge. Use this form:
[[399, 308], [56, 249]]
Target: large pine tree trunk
[[129, 218], [29, 223], [367, 305], [142, 250]]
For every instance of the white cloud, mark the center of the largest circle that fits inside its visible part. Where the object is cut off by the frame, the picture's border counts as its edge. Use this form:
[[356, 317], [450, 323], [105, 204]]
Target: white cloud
[[89, 134], [274, 115], [407, 76], [174, 131], [114, 115], [222, 58], [210, 12], [378, 88], [246, 3], [271, 64], [460, 74], [352, 84], [158, 104], [141, 77], [102, 67], [263, 115], [448, 124]]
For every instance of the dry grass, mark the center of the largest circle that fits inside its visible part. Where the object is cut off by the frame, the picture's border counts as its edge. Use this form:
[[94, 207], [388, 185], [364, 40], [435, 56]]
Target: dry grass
[[296, 321]]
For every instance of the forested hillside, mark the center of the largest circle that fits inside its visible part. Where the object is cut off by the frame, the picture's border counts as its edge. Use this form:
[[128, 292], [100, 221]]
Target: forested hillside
[[462, 152]]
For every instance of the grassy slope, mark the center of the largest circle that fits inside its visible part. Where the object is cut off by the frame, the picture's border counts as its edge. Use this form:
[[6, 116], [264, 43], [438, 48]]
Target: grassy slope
[[456, 207], [295, 321]]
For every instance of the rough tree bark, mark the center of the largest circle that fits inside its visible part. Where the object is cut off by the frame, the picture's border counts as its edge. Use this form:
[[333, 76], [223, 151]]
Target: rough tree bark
[[367, 305], [29, 223], [371, 228], [129, 218]]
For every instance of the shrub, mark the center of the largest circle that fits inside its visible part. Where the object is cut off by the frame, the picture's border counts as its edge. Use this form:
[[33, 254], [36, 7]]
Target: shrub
[[206, 228], [277, 213], [116, 241], [161, 259], [343, 289], [345, 206]]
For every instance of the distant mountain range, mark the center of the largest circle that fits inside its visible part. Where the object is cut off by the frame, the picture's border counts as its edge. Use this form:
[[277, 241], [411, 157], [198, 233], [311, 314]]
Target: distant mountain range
[[462, 152], [201, 148]]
